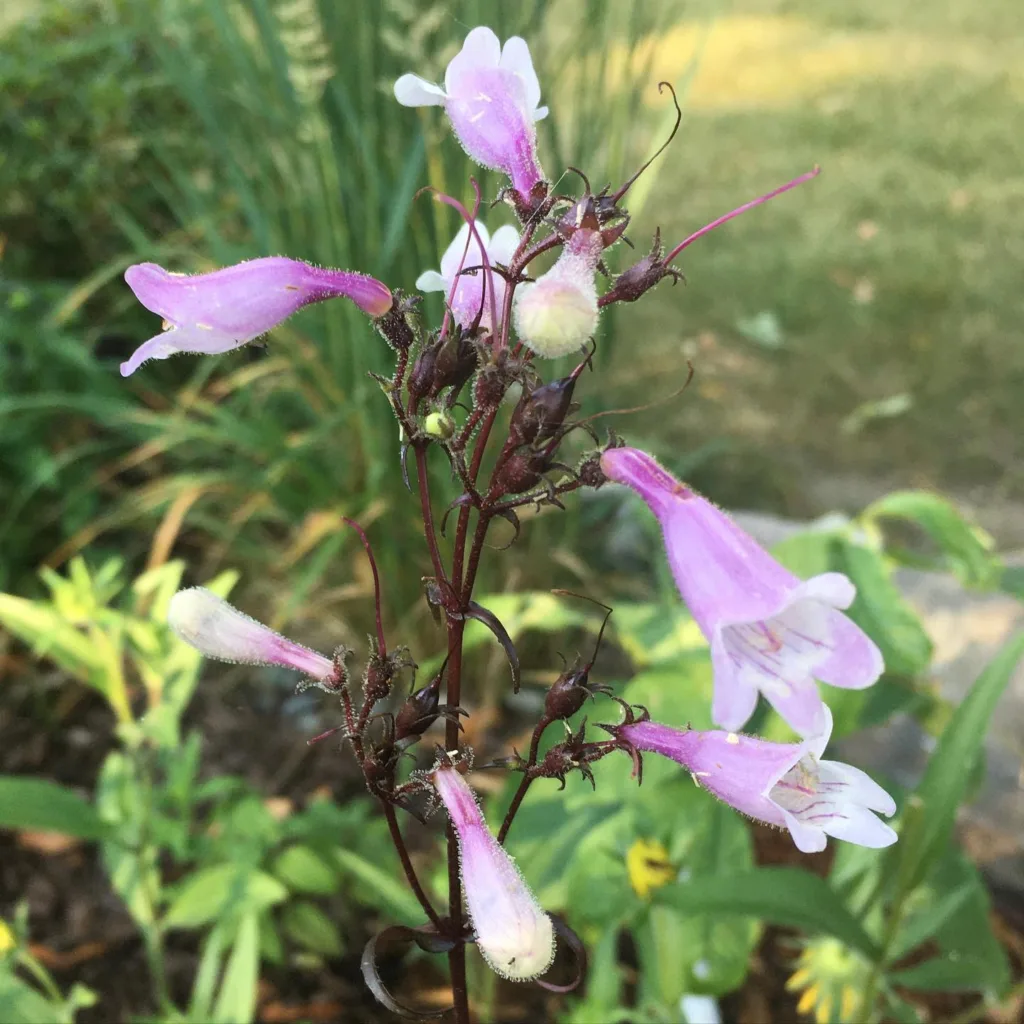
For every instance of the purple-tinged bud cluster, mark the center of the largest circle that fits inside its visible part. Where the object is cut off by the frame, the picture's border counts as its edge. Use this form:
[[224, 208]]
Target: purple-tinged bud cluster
[[513, 933], [225, 309]]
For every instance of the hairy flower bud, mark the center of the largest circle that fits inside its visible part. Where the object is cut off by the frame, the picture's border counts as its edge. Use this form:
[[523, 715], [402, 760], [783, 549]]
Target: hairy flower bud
[[513, 933], [225, 309], [439, 424], [557, 313], [218, 630], [540, 412]]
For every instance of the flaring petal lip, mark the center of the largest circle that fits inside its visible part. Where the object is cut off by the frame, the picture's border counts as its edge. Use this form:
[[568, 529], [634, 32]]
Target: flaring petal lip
[[221, 310]]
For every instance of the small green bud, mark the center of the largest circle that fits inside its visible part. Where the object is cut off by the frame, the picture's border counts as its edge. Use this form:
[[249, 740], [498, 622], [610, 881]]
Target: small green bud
[[440, 425]]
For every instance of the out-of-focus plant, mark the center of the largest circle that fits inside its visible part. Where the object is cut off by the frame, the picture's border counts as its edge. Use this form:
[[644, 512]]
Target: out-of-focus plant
[[199, 135], [181, 851]]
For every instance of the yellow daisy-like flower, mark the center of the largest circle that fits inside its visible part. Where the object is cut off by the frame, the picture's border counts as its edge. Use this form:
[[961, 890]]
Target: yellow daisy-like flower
[[830, 978], [649, 867], [7, 940]]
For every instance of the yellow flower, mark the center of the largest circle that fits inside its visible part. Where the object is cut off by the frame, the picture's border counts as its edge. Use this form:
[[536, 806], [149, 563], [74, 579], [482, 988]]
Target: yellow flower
[[649, 867], [830, 979], [7, 940]]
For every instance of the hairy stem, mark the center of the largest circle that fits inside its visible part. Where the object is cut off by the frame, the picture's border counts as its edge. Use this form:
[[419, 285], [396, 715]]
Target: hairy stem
[[407, 865], [524, 783]]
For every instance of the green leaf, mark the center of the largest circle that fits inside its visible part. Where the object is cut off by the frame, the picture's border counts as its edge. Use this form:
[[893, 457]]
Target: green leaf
[[306, 924], [380, 888], [20, 1003], [932, 810], [39, 804], [302, 870], [950, 973], [879, 609], [49, 634], [236, 1001], [968, 549], [212, 892], [661, 944], [918, 928], [785, 896]]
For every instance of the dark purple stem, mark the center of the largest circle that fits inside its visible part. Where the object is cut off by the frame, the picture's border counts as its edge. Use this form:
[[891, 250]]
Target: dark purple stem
[[381, 645]]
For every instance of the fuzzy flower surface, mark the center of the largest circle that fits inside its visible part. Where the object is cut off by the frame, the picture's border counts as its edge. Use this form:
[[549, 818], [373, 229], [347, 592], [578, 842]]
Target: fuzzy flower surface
[[557, 313], [513, 933], [770, 632], [470, 300], [225, 309], [783, 784], [219, 630], [491, 95]]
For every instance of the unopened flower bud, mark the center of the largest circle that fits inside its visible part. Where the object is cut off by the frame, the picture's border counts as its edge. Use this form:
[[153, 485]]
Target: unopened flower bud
[[557, 313], [218, 630], [540, 412], [513, 933], [440, 425], [419, 710]]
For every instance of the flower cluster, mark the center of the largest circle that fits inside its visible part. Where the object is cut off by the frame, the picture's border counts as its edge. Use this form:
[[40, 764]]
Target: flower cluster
[[769, 632]]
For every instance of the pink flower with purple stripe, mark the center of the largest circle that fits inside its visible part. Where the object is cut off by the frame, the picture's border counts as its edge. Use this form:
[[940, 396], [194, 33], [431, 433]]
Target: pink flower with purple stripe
[[769, 631], [492, 97], [783, 784], [513, 933], [225, 309]]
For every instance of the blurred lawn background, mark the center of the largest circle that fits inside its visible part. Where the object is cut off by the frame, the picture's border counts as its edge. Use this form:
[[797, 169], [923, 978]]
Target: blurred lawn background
[[859, 333]]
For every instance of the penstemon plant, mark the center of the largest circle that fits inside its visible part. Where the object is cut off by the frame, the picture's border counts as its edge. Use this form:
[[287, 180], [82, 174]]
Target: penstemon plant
[[770, 633]]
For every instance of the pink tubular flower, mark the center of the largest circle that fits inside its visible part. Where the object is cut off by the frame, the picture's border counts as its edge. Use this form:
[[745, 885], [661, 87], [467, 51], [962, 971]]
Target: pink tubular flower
[[557, 313], [783, 784], [491, 95], [218, 630], [769, 631], [468, 301], [222, 310], [513, 933]]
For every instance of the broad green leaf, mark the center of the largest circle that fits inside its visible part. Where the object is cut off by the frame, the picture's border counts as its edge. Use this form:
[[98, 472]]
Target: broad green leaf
[[205, 983], [879, 609], [920, 927], [653, 634], [969, 551], [784, 896], [236, 1001], [661, 940], [951, 973], [379, 888], [306, 924], [604, 981], [224, 888], [20, 1003], [39, 804], [932, 810], [302, 870]]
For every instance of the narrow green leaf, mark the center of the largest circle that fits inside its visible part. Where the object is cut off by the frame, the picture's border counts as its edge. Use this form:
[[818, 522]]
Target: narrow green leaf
[[380, 888], [40, 804], [785, 896], [302, 870], [22, 1004], [211, 892], [306, 924], [921, 927], [944, 785], [236, 1001], [944, 974]]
